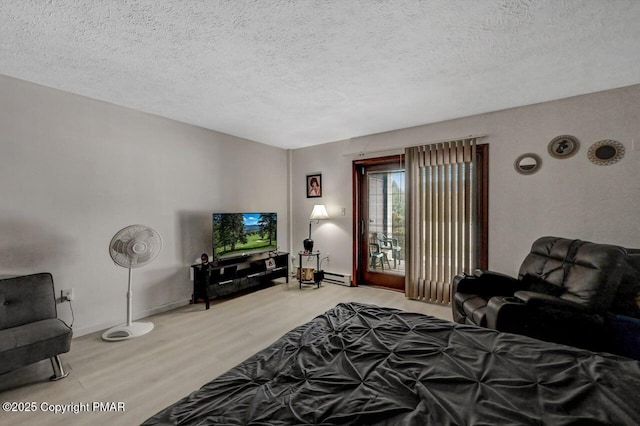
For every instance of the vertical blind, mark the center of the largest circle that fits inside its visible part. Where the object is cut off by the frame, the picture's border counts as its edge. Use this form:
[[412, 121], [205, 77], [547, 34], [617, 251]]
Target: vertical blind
[[440, 214]]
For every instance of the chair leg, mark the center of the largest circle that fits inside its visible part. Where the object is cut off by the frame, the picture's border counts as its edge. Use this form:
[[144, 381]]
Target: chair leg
[[58, 371]]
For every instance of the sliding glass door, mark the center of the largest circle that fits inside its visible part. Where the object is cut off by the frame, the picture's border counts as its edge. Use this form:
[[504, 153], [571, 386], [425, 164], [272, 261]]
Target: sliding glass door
[[383, 254], [381, 217]]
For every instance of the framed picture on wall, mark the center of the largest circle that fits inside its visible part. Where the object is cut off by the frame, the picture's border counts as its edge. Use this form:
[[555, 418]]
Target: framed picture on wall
[[314, 185]]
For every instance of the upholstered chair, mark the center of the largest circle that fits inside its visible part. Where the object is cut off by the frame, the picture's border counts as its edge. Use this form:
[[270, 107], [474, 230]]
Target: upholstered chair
[[562, 293]]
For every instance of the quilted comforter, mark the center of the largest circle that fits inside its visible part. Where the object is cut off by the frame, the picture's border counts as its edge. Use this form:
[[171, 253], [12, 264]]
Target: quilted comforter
[[363, 364]]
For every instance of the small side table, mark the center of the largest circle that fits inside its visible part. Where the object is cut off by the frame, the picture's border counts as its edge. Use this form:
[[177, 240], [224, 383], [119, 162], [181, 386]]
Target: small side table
[[317, 278]]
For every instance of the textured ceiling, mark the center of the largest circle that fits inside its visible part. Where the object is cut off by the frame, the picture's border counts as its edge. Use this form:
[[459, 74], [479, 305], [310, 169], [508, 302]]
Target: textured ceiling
[[294, 73]]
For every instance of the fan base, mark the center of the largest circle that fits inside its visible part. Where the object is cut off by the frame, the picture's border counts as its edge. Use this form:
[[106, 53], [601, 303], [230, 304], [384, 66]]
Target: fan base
[[124, 331]]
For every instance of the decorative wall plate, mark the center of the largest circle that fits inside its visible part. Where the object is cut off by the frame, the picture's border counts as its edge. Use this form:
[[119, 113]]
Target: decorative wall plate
[[605, 152], [527, 164], [563, 146]]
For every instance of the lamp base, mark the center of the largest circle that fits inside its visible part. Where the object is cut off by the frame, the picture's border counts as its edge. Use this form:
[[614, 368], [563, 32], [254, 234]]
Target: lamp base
[[308, 244]]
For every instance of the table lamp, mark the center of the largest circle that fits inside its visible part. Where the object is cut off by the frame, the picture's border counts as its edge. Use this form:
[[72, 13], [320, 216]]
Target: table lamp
[[318, 213]]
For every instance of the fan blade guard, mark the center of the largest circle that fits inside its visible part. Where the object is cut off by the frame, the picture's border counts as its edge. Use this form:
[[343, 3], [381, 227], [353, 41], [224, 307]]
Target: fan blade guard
[[135, 246]]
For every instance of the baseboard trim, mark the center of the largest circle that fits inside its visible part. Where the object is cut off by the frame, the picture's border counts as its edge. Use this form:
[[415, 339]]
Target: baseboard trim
[[144, 314]]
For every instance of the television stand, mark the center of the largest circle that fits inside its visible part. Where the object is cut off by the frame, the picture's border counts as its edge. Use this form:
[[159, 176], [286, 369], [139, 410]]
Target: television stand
[[233, 275]]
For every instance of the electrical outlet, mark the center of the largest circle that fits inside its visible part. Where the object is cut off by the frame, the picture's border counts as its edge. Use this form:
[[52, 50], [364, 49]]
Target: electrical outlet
[[66, 295]]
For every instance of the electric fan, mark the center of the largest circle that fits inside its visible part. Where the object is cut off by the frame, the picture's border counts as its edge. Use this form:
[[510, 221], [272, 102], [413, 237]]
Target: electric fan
[[132, 247]]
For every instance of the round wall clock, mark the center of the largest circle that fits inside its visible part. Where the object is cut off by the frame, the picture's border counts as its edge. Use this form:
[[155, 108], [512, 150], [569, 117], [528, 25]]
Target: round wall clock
[[605, 152], [563, 146]]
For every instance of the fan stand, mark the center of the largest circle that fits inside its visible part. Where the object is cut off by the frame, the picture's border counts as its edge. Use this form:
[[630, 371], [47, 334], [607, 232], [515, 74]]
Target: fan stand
[[130, 329]]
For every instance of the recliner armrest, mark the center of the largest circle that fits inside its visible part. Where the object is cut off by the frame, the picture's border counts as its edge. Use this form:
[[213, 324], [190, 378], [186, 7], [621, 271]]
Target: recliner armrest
[[486, 283], [534, 299], [508, 314], [625, 335]]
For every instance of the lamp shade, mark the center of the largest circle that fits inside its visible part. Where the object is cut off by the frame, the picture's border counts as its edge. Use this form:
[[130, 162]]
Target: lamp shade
[[319, 212]]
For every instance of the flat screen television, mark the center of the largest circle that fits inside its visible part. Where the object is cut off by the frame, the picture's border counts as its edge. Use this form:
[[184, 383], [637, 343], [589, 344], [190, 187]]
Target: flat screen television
[[242, 234]]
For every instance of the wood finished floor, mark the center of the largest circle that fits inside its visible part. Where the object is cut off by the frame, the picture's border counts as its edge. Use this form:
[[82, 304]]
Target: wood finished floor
[[188, 347]]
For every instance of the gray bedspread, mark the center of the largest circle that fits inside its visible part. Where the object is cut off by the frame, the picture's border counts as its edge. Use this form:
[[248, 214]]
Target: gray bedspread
[[361, 364]]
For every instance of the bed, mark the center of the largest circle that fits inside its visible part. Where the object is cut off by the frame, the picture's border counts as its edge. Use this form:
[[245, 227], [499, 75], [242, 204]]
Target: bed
[[364, 364]]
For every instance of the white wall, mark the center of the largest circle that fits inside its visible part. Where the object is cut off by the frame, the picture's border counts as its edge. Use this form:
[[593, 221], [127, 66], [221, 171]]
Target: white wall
[[569, 197], [332, 236], [74, 171]]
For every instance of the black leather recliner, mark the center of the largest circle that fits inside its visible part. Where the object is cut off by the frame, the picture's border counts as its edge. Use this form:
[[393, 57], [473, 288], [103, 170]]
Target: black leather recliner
[[562, 293]]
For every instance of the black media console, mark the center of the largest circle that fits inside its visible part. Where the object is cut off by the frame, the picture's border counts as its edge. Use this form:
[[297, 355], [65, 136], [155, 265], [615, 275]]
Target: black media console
[[232, 275]]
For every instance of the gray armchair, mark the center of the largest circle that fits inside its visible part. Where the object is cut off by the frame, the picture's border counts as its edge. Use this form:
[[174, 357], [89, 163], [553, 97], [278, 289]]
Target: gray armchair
[[30, 330]]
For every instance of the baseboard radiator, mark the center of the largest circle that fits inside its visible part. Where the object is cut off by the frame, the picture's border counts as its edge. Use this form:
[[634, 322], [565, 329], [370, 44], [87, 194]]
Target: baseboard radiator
[[336, 278]]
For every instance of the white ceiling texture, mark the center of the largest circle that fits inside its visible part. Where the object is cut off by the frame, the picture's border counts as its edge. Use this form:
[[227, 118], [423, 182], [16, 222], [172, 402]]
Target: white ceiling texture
[[295, 73]]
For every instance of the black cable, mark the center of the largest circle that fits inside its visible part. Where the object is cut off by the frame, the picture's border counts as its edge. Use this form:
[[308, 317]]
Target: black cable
[[73, 317], [322, 260]]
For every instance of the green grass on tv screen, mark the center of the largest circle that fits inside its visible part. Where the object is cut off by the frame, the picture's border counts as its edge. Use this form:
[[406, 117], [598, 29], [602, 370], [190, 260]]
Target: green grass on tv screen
[[254, 243]]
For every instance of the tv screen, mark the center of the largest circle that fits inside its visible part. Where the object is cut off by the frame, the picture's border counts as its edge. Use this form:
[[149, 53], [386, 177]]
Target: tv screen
[[237, 234]]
